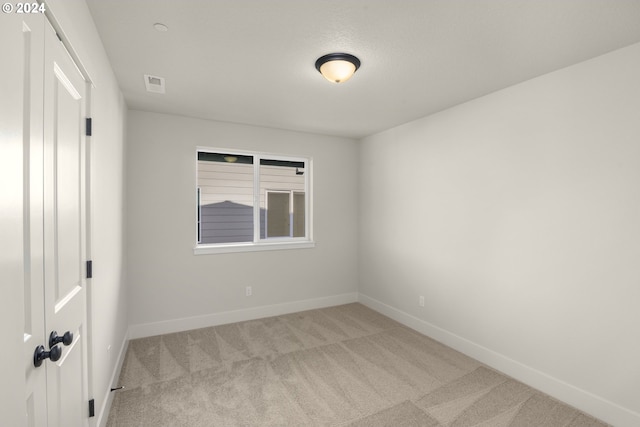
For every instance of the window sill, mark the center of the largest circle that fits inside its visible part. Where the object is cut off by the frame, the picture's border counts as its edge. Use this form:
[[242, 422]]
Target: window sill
[[251, 247]]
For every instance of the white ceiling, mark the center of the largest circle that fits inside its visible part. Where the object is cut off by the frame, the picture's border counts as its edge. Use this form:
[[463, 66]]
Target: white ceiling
[[252, 61]]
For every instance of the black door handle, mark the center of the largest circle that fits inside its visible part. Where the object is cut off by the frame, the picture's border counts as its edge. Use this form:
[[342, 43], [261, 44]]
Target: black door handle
[[40, 354], [54, 339]]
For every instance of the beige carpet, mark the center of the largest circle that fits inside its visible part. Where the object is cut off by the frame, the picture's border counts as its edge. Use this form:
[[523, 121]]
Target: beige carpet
[[338, 366]]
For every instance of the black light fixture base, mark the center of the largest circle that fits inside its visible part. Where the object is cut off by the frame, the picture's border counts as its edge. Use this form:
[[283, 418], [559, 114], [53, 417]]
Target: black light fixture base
[[337, 57]]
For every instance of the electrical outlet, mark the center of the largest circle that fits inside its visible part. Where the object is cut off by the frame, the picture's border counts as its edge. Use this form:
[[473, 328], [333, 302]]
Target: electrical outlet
[[248, 291], [421, 302]]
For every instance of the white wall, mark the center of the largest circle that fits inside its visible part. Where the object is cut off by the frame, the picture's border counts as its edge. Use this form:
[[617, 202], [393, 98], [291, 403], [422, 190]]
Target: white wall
[[516, 215], [173, 289], [107, 291]]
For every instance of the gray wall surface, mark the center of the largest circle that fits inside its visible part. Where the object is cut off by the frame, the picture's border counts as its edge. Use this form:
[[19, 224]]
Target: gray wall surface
[[167, 281], [516, 216]]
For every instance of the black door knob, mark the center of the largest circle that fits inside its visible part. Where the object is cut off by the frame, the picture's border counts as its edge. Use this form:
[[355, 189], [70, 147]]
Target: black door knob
[[54, 339], [40, 354]]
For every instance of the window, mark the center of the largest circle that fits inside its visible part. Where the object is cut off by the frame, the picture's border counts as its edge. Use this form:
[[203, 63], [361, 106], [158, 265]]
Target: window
[[248, 201]]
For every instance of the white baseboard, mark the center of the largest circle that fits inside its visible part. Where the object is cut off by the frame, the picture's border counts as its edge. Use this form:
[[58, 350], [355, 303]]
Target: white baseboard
[[188, 323], [583, 400], [103, 416]]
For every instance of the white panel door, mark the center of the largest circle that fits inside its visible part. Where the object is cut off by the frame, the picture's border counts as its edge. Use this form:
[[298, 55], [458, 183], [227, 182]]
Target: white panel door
[[23, 392], [65, 233], [42, 226]]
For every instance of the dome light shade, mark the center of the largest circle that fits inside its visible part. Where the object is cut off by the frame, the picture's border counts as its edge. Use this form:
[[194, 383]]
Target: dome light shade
[[337, 67]]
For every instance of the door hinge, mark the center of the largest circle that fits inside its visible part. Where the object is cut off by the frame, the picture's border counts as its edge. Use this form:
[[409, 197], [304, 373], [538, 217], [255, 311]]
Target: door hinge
[[92, 408], [88, 126], [89, 269]]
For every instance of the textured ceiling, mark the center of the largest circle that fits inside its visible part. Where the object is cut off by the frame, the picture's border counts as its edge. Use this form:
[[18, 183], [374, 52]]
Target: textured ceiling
[[252, 61]]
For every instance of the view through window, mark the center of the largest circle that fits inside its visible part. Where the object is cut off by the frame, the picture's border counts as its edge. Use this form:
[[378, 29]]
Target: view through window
[[251, 198]]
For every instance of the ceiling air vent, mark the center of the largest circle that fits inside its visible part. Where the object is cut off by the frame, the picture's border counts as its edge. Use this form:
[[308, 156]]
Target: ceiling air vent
[[154, 84]]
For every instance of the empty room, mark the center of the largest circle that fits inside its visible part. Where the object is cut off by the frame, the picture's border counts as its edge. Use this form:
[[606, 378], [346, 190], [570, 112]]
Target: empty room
[[320, 213]]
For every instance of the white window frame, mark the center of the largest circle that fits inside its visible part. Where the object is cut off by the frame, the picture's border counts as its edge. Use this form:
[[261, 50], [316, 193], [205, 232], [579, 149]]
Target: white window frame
[[271, 243], [199, 217]]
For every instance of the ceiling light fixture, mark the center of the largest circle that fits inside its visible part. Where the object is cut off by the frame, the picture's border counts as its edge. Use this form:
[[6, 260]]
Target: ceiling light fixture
[[230, 159], [337, 67]]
